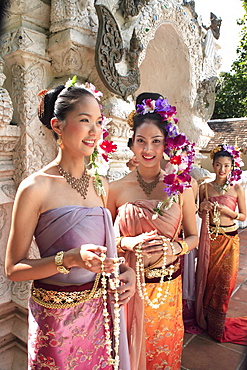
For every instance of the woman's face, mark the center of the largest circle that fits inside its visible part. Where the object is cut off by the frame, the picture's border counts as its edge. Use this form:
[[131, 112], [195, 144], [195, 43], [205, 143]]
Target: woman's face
[[222, 167], [82, 128], [149, 144]]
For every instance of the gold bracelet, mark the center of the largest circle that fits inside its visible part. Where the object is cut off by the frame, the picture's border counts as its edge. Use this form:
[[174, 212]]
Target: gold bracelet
[[184, 247], [237, 217], [118, 243]]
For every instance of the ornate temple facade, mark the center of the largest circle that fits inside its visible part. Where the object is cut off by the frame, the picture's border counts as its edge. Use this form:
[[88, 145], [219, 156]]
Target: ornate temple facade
[[123, 48]]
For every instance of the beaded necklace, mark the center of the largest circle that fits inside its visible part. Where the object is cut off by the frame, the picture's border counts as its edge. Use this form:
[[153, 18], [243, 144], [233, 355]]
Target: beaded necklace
[[114, 282], [141, 286]]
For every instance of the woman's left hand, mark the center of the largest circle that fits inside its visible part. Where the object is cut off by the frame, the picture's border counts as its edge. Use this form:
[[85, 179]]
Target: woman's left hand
[[127, 286], [224, 209]]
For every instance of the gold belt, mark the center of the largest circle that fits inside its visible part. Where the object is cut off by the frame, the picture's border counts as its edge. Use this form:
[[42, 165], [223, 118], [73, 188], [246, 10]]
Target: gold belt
[[59, 299], [155, 273], [222, 229]]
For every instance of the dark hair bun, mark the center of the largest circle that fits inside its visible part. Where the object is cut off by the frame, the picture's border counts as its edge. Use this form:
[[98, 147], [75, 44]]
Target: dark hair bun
[[147, 95], [48, 105]]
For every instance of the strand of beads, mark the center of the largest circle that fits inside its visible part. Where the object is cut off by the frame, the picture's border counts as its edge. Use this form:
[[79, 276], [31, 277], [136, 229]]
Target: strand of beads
[[141, 286], [114, 282]]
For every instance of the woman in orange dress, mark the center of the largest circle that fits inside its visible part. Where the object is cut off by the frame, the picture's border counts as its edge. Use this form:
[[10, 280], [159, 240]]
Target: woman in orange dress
[[218, 252], [149, 207]]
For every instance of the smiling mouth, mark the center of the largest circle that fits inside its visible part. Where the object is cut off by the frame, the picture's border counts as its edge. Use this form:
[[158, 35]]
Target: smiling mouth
[[148, 158], [89, 142]]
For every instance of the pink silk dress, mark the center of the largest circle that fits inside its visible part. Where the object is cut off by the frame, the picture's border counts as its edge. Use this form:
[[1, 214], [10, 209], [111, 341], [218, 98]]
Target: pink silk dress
[[155, 335], [72, 338], [217, 269]]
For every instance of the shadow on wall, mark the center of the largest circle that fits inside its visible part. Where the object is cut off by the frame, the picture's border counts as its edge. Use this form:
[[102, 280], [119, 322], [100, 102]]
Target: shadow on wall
[[4, 5]]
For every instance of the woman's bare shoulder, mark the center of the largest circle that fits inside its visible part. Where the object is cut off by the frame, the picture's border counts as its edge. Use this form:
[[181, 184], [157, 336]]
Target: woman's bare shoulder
[[124, 182]]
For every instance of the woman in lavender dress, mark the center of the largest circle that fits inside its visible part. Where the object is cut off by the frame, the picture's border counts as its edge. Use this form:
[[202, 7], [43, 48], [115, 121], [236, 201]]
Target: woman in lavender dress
[[70, 321]]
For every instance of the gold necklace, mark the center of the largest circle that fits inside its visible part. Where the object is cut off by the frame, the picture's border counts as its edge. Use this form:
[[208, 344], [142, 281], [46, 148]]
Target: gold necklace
[[81, 185], [221, 189], [147, 187]]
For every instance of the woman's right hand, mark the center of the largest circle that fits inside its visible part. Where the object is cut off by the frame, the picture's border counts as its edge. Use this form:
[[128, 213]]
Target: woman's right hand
[[206, 205], [129, 243], [88, 256]]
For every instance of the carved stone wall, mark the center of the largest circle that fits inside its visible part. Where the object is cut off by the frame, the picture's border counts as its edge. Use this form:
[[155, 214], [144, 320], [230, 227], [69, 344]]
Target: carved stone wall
[[158, 46]]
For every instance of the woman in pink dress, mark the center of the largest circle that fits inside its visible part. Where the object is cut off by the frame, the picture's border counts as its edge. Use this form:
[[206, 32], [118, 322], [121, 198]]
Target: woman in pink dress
[[149, 207], [218, 251]]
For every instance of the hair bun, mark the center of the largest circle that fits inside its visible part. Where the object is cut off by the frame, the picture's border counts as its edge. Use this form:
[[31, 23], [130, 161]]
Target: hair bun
[[147, 95], [46, 106]]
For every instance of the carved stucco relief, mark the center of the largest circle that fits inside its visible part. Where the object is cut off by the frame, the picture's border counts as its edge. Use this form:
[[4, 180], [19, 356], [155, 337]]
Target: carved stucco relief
[[5, 284], [73, 13], [26, 84]]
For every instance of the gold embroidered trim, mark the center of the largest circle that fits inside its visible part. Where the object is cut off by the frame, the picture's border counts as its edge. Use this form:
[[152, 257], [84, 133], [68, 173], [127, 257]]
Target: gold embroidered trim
[[155, 273], [57, 299], [222, 230]]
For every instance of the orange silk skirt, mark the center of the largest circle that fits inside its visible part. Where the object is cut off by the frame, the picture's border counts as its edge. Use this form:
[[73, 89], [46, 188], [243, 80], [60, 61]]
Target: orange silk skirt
[[221, 279], [164, 328]]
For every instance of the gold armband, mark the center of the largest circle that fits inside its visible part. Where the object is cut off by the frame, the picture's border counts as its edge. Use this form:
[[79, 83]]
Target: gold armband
[[184, 247], [118, 243]]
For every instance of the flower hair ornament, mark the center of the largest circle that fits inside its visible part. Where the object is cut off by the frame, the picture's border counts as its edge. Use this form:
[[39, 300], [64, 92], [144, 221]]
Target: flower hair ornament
[[235, 153], [177, 147]]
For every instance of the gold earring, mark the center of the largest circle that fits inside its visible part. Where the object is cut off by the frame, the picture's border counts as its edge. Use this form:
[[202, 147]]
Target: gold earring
[[59, 141]]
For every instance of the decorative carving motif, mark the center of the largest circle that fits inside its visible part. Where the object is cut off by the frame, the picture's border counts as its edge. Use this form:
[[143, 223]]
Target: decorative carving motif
[[119, 129], [215, 25], [71, 13], [18, 39], [115, 174], [109, 51], [30, 158], [26, 85], [7, 145], [131, 8], [191, 6], [6, 107], [67, 61], [3, 215], [21, 290], [9, 191], [206, 97]]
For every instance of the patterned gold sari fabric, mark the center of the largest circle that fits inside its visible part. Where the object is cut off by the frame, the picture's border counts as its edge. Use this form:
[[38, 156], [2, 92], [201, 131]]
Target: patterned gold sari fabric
[[155, 336], [217, 269], [164, 328]]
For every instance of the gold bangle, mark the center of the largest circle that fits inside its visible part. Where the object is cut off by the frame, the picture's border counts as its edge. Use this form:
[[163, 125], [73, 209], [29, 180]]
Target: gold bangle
[[118, 242], [237, 217], [59, 263], [184, 247]]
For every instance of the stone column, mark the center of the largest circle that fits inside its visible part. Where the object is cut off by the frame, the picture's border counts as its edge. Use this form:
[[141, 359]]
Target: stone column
[[24, 148]]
